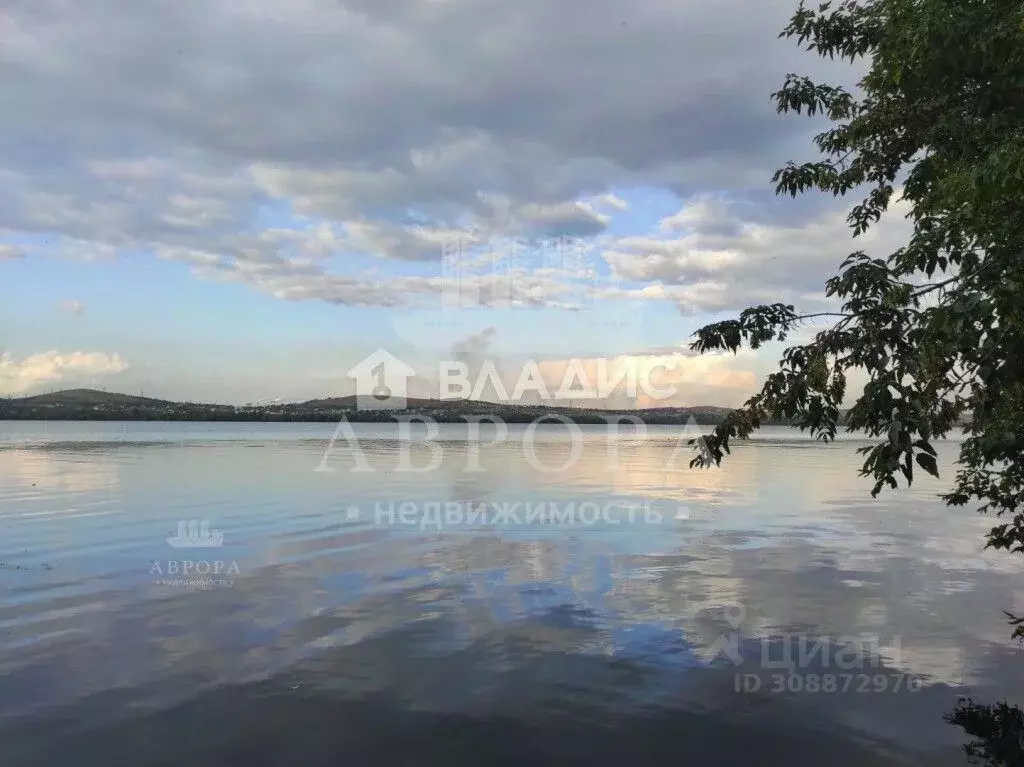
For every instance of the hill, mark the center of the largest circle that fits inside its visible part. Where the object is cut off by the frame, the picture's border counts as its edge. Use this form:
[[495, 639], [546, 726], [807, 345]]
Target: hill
[[349, 403], [87, 397], [93, 405]]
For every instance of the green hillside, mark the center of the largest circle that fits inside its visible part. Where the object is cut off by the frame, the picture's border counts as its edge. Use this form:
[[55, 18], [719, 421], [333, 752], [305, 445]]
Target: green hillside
[[93, 405], [87, 397]]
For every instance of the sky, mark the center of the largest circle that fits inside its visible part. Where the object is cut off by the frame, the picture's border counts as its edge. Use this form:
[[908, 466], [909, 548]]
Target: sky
[[230, 202]]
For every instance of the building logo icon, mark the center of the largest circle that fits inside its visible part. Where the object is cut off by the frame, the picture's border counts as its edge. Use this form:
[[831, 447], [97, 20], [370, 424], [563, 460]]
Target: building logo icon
[[381, 382], [728, 645], [196, 534]]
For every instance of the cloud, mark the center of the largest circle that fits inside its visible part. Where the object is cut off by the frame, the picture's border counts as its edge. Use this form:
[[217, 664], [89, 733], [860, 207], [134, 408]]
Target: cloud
[[679, 350], [383, 126], [21, 375], [401, 242], [673, 379], [472, 351], [569, 219], [473, 346], [611, 201], [709, 258], [11, 251], [74, 307]]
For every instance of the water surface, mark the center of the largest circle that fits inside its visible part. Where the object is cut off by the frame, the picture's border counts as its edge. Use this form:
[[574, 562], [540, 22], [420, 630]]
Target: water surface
[[341, 630]]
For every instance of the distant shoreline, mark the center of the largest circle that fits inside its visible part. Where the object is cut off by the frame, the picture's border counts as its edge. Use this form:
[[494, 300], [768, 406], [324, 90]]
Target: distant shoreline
[[91, 405], [393, 416]]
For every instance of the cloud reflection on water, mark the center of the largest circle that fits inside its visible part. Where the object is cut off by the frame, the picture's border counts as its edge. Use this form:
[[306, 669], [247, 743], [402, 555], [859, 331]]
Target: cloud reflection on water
[[508, 619]]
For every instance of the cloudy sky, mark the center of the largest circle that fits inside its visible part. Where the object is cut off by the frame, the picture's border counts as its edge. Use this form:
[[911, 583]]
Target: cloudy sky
[[235, 201]]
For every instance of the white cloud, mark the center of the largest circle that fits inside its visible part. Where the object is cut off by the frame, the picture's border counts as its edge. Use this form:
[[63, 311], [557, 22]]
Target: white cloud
[[709, 258], [74, 307], [384, 124], [673, 378], [650, 379], [11, 251], [20, 375], [611, 201]]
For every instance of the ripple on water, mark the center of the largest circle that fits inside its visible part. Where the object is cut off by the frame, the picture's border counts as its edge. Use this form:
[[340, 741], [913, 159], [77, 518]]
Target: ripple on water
[[601, 629]]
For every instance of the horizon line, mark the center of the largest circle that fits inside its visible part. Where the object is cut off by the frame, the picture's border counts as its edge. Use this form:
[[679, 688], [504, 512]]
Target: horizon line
[[553, 403]]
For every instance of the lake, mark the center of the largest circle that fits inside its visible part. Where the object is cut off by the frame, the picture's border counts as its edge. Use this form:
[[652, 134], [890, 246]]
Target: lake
[[294, 594]]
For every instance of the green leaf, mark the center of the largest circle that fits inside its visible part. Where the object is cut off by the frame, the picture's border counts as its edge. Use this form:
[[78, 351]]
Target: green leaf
[[937, 326], [927, 462]]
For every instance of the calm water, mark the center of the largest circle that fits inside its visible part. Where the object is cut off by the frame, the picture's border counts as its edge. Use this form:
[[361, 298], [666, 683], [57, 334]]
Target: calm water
[[342, 631]]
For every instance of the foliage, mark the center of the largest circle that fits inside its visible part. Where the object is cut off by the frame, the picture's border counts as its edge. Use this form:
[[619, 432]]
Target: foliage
[[937, 326], [82, 406], [998, 732]]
